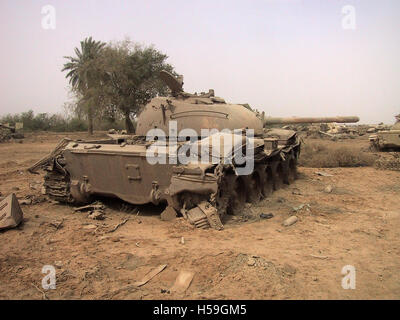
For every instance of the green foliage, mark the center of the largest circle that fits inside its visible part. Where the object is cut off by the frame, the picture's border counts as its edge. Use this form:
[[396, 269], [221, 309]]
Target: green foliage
[[115, 80], [45, 122], [85, 76], [111, 84], [61, 123], [131, 77], [83, 69]]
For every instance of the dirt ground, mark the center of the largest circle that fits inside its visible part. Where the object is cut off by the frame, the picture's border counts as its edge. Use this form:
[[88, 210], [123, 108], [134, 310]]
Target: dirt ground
[[357, 223]]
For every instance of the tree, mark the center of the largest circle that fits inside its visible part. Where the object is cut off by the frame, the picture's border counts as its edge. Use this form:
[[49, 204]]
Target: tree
[[84, 75], [132, 77]]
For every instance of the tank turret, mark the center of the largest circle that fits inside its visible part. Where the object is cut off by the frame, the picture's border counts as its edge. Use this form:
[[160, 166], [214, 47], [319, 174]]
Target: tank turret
[[206, 111]]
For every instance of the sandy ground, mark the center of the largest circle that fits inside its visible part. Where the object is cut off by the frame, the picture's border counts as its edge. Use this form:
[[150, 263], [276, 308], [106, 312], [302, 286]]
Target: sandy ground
[[357, 224]]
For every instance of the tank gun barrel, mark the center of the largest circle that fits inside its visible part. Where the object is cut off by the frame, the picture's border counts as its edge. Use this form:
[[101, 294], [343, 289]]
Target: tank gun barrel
[[291, 120]]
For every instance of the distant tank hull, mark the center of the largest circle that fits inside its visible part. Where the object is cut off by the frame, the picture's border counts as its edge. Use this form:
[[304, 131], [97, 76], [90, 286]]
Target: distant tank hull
[[385, 140]]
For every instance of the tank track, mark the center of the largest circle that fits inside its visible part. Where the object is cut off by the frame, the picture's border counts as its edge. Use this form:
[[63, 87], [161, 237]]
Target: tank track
[[235, 191], [57, 186]]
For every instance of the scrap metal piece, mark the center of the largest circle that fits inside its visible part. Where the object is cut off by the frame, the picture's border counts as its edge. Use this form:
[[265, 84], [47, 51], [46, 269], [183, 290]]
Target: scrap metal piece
[[168, 214], [150, 275], [10, 212], [198, 218], [212, 215], [204, 216], [91, 207], [182, 282], [45, 160]]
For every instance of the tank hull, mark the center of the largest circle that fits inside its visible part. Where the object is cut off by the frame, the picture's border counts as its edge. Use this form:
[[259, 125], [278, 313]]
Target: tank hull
[[385, 140], [84, 171]]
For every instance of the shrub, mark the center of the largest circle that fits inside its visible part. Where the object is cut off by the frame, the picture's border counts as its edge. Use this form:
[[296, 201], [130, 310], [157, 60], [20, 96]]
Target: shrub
[[328, 154], [59, 123]]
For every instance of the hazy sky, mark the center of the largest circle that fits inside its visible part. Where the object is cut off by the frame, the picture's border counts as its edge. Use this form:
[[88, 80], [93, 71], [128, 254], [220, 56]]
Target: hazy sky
[[287, 58]]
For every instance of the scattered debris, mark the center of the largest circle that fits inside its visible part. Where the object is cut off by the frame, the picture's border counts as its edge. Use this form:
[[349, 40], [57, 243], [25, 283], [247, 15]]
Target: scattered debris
[[96, 215], [91, 207], [41, 291], [25, 201], [296, 191], [182, 240], [266, 215], [37, 185], [150, 275], [319, 257], [11, 214], [289, 221], [251, 261], [323, 174], [300, 207], [90, 227], [57, 225], [118, 225], [328, 189], [182, 282], [58, 264], [96, 210]]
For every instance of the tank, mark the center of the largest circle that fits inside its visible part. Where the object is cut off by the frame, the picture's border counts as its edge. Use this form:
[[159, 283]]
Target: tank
[[387, 140], [200, 156], [8, 132]]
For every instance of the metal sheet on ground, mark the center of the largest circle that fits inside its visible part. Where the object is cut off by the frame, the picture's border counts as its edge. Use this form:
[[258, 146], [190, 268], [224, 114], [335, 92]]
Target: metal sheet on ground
[[182, 282]]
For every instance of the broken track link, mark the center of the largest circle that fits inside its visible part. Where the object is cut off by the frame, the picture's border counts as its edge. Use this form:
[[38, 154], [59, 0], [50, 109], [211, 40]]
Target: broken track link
[[57, 187]]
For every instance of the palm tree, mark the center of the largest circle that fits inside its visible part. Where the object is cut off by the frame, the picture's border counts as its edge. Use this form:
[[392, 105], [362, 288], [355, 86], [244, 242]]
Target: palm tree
[[83, 72]]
